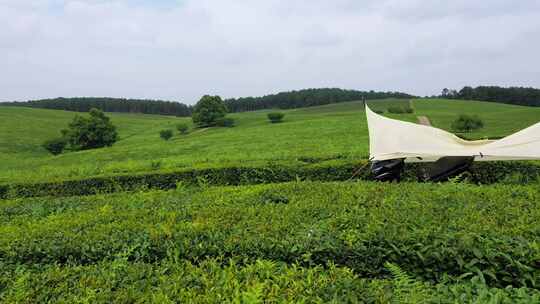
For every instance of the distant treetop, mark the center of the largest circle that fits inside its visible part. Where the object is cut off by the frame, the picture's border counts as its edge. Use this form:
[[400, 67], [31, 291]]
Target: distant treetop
[[283, 100], [208, 111], [305, 98], [511, 95], [106, 104]]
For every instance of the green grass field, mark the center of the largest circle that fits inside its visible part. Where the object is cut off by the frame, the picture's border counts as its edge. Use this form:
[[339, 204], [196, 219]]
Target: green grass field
[[499, 119], [331, 131]]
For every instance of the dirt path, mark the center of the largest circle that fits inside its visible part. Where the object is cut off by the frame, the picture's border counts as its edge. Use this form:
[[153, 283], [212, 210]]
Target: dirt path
[[423, 120], [200, 130]]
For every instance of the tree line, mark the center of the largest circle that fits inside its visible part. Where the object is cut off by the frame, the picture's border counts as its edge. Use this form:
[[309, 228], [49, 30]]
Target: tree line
[[305, 98], [106, 104], [511, 95], [283, 100]]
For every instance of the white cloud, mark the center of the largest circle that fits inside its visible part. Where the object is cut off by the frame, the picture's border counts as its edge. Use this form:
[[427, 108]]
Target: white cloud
[[183, 49]]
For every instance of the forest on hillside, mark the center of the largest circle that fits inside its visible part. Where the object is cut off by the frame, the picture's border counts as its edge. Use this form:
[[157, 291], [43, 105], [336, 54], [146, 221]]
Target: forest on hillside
[[283, 100], [106, 104], [306, 98], [511, 95]]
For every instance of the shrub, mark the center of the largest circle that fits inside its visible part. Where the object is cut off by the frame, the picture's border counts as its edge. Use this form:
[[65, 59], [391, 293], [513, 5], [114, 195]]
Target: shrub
[[395, 110], [155, 165], [182, 128], [95, 131], [208, 111], [273, 197], [225, 122], [275, 117], [55, 146], [400, 110], [166, 134], [467, 123]]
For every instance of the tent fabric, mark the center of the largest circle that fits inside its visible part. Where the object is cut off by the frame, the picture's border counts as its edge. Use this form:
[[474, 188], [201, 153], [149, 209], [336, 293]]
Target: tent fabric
[[392, 139]]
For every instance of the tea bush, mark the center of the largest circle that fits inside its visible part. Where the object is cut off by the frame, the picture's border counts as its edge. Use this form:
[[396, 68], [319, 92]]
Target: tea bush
[[166, 134], [226, 122], [306, 169], [467, 123], [55, 146], [275, 117], [119, 281], [183, 128], [434, 232], [400, 110], [218, 281]]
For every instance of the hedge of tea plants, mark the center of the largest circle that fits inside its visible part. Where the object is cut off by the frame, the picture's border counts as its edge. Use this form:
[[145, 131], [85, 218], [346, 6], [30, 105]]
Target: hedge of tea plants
[[311, 170], [434, 232], [218, 281]]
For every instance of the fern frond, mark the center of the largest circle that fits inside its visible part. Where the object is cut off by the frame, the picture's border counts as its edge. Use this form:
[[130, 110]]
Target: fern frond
[[406, 289]]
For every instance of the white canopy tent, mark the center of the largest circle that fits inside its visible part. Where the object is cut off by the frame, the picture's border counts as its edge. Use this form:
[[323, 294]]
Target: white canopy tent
[[395, 139]]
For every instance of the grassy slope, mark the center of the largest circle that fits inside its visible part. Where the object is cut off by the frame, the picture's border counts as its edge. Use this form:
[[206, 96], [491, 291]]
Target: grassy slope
[[337, 130], [499, 119], [24, 129], [340, 129]]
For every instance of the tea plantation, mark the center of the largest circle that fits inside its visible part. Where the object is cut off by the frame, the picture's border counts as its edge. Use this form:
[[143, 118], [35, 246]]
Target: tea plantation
[[301, 240], [336, 131], [262, 212]]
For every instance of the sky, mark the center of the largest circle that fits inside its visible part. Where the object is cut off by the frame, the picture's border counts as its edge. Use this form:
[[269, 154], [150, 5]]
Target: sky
[[183, 49]]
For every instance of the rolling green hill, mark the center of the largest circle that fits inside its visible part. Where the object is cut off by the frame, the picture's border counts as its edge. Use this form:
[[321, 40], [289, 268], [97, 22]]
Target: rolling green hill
[[330, 131], [301, 241], [499, 119]]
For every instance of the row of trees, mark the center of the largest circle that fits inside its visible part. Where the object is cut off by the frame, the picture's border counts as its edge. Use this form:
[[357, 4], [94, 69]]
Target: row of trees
[[283, 100], [305, 98], [511, 95], [106, 104]]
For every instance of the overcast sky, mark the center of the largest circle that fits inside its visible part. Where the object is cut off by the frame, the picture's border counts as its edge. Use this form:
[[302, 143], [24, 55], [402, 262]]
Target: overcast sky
[[180, 50]]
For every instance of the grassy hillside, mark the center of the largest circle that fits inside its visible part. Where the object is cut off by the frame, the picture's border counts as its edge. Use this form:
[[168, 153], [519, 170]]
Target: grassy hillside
[[313, 242], [331, 131], [23, 130], [499, 119], [339, 130]]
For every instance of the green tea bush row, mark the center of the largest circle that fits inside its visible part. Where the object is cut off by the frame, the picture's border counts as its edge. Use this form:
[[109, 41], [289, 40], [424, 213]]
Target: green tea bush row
[[400, 110], [238, 175], [208, 282], [434, 232], [215, 281], [333, 170]]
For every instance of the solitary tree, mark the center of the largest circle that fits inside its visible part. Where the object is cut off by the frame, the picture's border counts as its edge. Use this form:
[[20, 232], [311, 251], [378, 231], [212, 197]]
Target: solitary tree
[[208, 111], [91, 132]]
